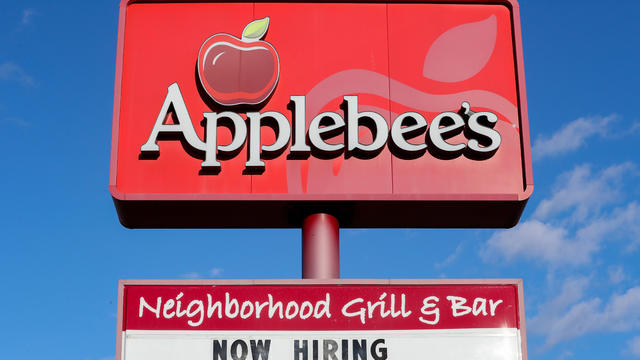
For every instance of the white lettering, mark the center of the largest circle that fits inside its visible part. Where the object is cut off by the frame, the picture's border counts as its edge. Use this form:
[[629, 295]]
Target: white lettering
[[183, 124], [360, 312], [299, 145], [457, 306], [380, 130], [292, 310], [430, 307], [322, 308], [196, 311], [212, 147], [318, 134], [179, 313], [230, 304], [478, 128], [306, 305], [443, 127], [168, 306], [400, 132], [283, 133], [144, 305], [479, 306], [372, 307], [196, 307], [493, 305], [213, 306], [246, 310], [274, 307], [259, 307]]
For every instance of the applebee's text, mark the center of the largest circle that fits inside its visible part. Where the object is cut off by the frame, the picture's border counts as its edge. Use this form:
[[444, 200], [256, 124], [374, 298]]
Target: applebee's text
[[385, 306], [438, 136]]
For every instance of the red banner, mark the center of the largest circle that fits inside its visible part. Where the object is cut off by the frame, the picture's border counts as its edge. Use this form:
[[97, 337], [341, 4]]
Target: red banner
[[320, 307]]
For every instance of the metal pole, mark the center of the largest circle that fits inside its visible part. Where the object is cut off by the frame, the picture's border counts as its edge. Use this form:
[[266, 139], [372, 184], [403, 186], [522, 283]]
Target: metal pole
[[320, 247]]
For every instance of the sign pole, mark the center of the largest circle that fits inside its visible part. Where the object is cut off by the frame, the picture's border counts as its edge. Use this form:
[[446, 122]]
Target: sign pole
[[320, 247]]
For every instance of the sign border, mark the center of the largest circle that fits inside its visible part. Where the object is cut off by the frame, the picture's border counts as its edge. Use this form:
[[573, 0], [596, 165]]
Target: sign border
[[211, 282], [180, 210]]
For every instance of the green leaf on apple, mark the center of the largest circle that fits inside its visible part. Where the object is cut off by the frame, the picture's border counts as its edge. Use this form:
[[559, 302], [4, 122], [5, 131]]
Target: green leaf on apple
[[256, 29]]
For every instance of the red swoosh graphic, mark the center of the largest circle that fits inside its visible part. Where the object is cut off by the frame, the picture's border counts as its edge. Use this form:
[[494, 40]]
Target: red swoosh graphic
[[360, 81]]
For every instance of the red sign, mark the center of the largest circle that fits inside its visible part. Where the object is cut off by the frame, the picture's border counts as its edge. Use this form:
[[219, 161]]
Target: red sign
[[398, 316], [400, 114]]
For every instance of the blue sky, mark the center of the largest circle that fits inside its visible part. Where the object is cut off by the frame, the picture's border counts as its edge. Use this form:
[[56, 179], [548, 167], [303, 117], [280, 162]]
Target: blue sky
[[63, 250]]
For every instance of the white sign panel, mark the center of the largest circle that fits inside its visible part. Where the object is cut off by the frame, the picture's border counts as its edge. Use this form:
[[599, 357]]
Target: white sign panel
[[311, 320]]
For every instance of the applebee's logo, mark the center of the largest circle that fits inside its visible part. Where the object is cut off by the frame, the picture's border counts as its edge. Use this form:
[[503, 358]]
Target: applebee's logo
[[239, 71], [245, 71]]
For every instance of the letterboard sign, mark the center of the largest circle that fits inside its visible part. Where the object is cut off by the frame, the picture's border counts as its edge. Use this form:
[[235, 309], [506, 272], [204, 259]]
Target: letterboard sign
[[314, 320]]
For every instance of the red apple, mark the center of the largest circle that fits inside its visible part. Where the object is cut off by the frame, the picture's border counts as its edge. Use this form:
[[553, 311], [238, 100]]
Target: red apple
[[239, 71]]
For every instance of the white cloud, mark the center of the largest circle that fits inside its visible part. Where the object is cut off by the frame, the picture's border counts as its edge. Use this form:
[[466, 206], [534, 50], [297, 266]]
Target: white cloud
[[215, 272], [535, 240], [586, 211], [616, 274], [634, 346], [571, 136], [573, 289], [11, 71], [568, 227], [584, 192], [554, 245], [622, 222], [622, 313], [451, 258], [27, 16], [15, 121], [566, 355], [191, 275], [564, 318]]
